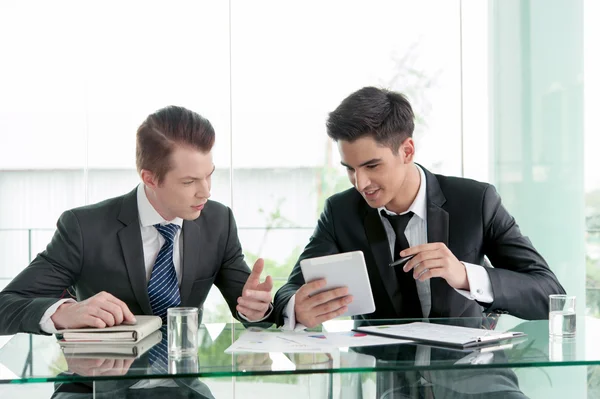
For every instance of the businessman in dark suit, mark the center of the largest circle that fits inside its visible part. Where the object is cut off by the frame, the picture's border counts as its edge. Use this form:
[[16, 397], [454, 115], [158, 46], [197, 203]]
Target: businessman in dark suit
[[399, 209], [162, 245]]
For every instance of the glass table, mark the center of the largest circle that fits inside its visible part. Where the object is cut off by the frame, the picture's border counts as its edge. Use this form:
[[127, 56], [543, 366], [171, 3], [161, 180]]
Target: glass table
[[532, 366]]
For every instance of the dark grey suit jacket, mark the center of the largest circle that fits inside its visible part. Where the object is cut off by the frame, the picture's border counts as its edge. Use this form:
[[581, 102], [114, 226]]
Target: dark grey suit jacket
[[99, 248], [464, 214]]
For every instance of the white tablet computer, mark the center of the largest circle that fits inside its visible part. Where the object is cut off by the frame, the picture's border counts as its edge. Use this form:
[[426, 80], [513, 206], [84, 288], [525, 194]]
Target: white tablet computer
[[343, 270]]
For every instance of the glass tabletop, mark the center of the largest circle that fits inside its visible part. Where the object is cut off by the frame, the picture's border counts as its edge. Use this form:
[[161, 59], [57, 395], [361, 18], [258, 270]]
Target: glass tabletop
[[36, 358]]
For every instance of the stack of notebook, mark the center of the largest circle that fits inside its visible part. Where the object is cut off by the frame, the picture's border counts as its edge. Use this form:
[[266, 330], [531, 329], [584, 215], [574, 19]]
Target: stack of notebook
[[128, 340]]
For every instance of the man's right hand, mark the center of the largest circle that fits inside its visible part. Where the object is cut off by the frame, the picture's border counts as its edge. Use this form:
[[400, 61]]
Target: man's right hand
[[101, 310], [98, 367], [314, 310]]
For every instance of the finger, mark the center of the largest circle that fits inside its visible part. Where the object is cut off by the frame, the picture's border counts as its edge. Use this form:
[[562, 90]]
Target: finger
[[127, 315], [102, 314], [250, 314], [127, 364], [327, 296], [419, 248], [108, 364], [429, 273], [428, 264], [112, 308], [266, 285], [254, 305], [420, 257], [332, 315], [261, 296], [304, 291], [332, 306], [93, 321]]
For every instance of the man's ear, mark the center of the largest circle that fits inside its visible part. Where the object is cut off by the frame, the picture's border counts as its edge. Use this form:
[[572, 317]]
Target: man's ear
[[408, 149], [149, 179]]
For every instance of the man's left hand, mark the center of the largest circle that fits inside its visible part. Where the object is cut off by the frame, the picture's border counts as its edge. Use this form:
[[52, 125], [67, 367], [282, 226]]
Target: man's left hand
[[436, 260], [256, 296]]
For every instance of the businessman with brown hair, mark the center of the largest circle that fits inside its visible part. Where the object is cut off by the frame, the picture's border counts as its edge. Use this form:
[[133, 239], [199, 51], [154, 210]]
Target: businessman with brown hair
[[162, 245]]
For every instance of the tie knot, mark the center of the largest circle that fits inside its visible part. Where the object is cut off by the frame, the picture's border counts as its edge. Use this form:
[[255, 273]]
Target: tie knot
[[168, 231], [398, 222]]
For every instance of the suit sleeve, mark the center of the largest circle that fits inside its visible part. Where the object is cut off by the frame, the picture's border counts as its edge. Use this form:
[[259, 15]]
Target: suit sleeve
[[521, 279], [24, 301], [322, 242], [234, 270]]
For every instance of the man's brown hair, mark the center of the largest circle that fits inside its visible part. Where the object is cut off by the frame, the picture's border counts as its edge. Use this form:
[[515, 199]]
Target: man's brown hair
[[161, 131]]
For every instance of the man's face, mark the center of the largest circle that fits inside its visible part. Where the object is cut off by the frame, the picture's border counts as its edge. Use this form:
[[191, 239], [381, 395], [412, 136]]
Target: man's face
[[374, 170], [185, 188]]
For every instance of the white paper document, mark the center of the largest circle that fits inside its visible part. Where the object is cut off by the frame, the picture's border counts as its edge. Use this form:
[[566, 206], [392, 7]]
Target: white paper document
[[305, 342], [440, 334]]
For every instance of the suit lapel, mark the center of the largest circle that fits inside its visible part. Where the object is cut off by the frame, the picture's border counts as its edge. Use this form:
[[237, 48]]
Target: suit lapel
[[380, 248], [438, 222], [191, 256], [130, 238]]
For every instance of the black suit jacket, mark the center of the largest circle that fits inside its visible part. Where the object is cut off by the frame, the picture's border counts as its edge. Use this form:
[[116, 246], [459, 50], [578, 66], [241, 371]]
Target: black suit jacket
[[99, 248], [464, 214]]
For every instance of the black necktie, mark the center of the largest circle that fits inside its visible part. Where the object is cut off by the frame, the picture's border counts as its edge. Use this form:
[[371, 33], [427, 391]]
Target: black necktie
[[411, 306]]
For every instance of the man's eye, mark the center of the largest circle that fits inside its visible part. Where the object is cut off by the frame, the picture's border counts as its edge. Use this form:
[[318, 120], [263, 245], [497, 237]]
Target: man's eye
[[372, 166], [187, 183]]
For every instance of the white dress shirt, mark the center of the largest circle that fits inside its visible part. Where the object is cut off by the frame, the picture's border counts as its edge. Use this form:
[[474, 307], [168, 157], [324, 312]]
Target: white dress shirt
[[416, 234]]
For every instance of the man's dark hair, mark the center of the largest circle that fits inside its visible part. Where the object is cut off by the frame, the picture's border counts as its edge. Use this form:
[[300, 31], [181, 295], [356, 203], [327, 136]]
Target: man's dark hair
[[161, 131], [379, 113]]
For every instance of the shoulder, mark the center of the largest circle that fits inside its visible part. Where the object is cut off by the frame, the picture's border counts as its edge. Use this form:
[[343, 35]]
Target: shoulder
[[347, 197], [467, 193], [461, 185], [214, 212], [215, 207], [100, 209]]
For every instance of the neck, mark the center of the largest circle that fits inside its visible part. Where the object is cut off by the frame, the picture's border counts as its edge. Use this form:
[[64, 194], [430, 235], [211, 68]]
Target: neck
[[155, 203], [408, 191]]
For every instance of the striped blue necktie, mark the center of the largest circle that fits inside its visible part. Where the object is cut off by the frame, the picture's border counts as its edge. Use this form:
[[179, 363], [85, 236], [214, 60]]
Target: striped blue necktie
[[159, 354], [163, 289]]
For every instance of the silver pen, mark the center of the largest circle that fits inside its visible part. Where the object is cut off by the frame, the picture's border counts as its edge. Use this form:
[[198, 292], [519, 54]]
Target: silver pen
[[401, 261]]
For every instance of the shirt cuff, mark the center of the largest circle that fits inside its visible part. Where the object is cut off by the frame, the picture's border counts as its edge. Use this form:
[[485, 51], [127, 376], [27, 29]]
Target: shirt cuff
[[259, 320], [46, 323], [289, 317], [480, 284]]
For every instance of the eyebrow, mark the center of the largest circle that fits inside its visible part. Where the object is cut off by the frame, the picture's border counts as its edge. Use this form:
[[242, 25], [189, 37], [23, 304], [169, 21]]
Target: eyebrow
[[198, 178], [369, 162]]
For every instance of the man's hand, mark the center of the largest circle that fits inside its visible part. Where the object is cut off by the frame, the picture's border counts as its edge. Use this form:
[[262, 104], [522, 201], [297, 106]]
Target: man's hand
[[101, 310], [253, 361], [314, 310], [97, 367], [256, 296], [436, 260]]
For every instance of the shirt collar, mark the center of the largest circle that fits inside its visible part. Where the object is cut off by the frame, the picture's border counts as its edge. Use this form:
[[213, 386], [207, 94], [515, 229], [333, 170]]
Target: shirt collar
[[419, 205], [148, 215]]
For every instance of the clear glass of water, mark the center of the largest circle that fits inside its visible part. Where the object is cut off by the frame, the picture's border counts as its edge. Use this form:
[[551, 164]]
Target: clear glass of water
[[182, 331], [183, 364], [562, 316]]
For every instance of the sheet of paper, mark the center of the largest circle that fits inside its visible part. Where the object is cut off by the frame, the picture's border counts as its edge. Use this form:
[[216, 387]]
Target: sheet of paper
[[301, 342], [436, 332], [347, 339], [266, 341]]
